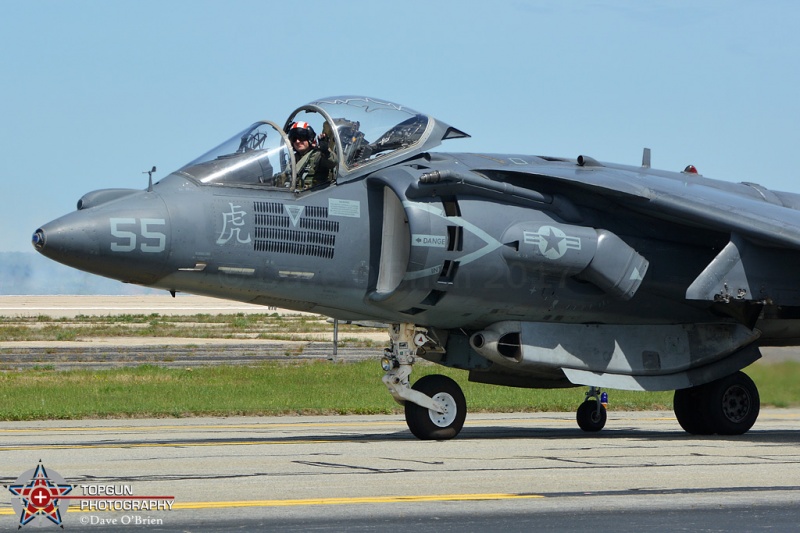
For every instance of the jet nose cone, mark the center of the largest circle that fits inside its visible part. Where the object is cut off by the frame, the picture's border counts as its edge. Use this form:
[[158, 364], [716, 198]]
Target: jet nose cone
[[126, 239], [38, 239]]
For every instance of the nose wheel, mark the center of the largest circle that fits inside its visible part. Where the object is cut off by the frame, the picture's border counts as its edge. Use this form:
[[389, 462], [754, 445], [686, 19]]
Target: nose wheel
[[429, 424], [435, 406], [591, 415]]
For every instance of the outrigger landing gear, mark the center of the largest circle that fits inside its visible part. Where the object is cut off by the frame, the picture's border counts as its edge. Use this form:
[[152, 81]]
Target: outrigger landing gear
[[591, 414], [435, 407]]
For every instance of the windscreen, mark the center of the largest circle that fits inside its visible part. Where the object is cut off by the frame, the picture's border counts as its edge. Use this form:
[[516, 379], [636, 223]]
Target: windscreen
[[259, 155]]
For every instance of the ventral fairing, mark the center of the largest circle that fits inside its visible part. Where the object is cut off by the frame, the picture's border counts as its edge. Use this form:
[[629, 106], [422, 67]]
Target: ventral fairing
[[521, 270]]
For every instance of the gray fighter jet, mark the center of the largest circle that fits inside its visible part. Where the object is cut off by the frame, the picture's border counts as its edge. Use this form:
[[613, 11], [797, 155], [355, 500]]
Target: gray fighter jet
[[524, 271]]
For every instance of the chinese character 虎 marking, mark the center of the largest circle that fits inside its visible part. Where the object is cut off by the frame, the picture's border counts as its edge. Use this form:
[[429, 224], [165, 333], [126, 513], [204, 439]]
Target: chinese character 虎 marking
[[232, 223]]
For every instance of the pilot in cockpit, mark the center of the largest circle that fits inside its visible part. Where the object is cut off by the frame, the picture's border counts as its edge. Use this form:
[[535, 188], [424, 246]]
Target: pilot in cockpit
[[316, 162]]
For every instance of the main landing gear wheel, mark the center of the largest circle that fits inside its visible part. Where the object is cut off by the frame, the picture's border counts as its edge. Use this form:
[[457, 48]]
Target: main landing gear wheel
[[727, 406], [688, 407], [427, 424], [591, 416]]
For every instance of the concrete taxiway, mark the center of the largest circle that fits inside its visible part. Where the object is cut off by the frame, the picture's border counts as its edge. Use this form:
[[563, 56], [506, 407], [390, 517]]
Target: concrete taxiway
[[509, 472], [339, 473]]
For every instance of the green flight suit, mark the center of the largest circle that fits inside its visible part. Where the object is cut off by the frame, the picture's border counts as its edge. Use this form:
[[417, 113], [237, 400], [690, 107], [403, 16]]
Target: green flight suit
[[314, 168]]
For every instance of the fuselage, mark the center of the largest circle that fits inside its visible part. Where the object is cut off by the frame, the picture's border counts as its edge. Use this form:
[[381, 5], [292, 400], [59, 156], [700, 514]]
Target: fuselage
[[526, 271], [365, 250], [405, 234]]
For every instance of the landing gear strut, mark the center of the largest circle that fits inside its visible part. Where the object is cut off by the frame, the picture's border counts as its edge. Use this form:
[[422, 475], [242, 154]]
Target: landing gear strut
[[435, 406], [591, 414], [727, 406]]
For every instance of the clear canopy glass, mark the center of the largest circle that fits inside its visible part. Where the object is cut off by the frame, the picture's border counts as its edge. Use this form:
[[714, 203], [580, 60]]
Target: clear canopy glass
[[258, 155], [364, 132], [369, 129]]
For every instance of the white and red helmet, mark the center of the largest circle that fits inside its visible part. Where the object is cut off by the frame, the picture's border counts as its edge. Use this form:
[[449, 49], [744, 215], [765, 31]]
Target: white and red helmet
[[301, 130]]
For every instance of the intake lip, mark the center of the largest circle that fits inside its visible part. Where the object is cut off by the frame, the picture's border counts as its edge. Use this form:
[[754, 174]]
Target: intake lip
[[103, 196]]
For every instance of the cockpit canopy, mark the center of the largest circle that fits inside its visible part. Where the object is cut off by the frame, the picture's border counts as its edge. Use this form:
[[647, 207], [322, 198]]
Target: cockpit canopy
[[257, 155], [366, 133]]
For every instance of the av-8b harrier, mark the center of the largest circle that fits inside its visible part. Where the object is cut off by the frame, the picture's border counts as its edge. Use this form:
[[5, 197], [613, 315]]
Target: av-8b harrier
[[524, 271]]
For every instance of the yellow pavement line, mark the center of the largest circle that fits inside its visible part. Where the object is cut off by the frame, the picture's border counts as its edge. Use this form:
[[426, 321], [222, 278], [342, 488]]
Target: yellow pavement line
[[359, 500], [164, 444], [332, 501], [267, 425], [199, 426]]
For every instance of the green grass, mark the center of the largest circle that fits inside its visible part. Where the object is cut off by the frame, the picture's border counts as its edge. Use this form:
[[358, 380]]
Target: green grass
[[262, 326], [297, 388], [778, 383]]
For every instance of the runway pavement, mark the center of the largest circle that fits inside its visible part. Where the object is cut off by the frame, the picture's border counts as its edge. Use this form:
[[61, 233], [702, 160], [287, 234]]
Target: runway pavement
[[510, 472], [513, 471]]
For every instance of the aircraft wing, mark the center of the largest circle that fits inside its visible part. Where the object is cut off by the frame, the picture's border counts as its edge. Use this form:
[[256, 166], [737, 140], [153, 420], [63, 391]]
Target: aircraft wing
[[740, 209], [758, 264]]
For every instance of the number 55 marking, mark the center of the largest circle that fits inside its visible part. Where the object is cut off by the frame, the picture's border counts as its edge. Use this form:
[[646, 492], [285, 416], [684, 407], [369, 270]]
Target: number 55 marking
[[155, 242]]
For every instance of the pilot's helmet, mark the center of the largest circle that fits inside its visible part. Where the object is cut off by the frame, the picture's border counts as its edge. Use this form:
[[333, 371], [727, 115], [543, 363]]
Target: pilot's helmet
[[301, 130]]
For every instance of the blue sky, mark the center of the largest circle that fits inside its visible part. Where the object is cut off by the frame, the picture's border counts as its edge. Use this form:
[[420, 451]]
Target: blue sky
[[96, 92]]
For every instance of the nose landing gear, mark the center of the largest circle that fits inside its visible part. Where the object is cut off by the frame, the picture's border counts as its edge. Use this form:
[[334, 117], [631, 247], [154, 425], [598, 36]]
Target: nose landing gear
[[435, 406]]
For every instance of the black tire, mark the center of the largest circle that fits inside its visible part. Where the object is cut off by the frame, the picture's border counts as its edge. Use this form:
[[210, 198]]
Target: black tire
[[589, 418], [733, 404], [691, 408], [426, 424]]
